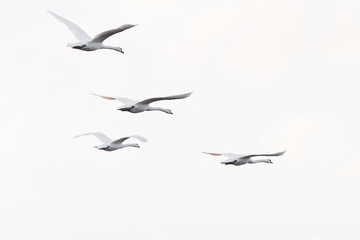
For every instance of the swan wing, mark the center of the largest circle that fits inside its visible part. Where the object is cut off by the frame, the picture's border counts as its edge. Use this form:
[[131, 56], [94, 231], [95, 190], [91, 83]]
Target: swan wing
[[180, 96], [104, 35], [102, 137], [265, 154], [121, 140], [138, 137], [229, 155], [80, 34], [125, 101]]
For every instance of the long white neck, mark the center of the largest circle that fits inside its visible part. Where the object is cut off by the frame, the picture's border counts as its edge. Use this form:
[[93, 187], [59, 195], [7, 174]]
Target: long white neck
[[119, 49], [159, 109], [260, 160], [129, 145]]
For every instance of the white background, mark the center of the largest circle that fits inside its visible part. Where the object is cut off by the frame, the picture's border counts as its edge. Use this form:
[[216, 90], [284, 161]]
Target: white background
[[266, 76]]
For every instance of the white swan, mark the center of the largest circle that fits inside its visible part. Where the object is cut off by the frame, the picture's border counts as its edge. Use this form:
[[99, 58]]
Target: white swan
[[141, 106], [111, 145], [241, 159], [87, 43]]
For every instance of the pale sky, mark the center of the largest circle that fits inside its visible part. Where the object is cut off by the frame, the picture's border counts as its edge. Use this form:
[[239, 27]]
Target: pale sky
[[266, 76]]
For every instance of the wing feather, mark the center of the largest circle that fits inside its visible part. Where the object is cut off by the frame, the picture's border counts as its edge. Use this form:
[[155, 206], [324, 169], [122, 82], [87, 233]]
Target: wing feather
[[125, 101], [102, 137], [104, 35], [121, 140], [229, 155], [80, 34], [266, 154], [180, 96]]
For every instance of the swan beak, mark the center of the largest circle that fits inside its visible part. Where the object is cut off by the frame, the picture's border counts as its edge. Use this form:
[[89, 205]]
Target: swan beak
[[122, 51]]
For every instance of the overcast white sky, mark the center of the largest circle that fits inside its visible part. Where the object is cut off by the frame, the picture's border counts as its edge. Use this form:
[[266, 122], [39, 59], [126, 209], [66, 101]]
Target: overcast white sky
[[266, 76]]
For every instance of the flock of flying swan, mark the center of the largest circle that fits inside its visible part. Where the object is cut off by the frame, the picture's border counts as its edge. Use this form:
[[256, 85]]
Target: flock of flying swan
[[86, 43]]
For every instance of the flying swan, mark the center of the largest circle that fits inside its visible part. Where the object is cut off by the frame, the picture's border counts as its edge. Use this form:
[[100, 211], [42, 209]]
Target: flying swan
[[87, 43], [241, 159], [111, 145], [141, 106]]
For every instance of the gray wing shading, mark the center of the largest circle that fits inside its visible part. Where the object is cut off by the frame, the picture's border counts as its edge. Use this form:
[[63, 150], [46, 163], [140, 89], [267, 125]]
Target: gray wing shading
[[227, 161], [80, 34], [104, 35], [121, 140], [180, 96], [102, 137], [266, 154], [125, 101]]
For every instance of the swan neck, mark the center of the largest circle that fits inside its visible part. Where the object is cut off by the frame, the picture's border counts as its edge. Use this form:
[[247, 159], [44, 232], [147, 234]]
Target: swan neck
[[112, 48], [159, 109], [260, 160], [130, 145]]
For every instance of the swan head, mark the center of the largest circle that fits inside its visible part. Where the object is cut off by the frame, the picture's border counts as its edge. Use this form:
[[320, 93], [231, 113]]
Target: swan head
[[269, 161], [168, 111], [119, 49], [134, 145]]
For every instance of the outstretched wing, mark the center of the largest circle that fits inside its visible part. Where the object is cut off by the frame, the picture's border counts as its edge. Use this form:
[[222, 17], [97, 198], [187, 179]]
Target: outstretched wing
[[121, 140], [104, 35], [125, 101], [180, 96], [80, 34], [265, 154], [102, 137], [141, 138], [229, 155]]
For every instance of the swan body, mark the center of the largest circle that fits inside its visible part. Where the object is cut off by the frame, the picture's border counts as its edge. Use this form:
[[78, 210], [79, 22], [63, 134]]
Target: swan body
[[85, 42], [141, 106], [241, 159], [110, 145]]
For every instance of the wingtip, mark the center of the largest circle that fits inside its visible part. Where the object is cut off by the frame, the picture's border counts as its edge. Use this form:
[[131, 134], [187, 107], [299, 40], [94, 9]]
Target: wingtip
[[213, 154], [105, 97], [208, 153], [140, 138], [51, 12]]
